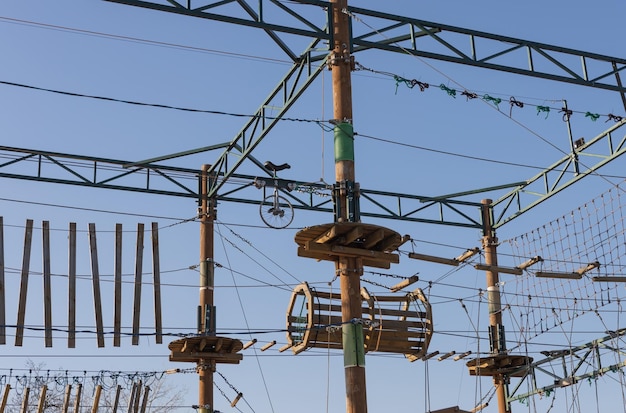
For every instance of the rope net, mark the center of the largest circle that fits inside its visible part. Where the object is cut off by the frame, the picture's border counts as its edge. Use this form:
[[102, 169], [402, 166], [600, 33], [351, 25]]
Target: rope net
[[592, 232]]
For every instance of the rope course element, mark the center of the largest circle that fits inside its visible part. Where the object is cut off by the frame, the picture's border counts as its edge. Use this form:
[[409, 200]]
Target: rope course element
[[470, 95], [592, 233]]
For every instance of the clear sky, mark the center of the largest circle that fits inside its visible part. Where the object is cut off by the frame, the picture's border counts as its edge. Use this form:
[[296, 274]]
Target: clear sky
[[420, 143]]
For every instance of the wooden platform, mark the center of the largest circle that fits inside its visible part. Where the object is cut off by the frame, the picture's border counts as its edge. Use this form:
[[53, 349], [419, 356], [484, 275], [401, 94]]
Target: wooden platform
[[372, 243], [512, 366], [194, 349]]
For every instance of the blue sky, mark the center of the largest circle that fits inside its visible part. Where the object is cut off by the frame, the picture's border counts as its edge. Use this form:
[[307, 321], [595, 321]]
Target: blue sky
[[427, 143]]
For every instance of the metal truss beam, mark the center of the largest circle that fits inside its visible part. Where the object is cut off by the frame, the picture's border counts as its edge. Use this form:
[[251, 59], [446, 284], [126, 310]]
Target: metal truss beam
[[400, 34], [579, 363], [586, 159], [85, 171]]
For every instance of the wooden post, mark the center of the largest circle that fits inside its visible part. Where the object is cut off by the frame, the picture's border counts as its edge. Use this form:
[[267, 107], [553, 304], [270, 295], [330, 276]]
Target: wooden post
[[21, 310], [66, 398], [5, 398], [71, 287], [496, 328], [207, 322], [24, 408], [3, 322], [42, 399], [137, 397], [349, 269], [95, 277], [96, 399], [138, 280], [131, 400], [117, 311], [47, 287], [156, 274]]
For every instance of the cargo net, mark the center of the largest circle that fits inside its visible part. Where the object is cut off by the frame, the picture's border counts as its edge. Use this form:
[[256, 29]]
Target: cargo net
[[592, 233]]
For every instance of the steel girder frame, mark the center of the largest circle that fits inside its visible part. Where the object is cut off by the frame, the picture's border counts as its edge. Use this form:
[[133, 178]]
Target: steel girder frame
[[582, 357], [93, 172], [416, 37], [585, 160]]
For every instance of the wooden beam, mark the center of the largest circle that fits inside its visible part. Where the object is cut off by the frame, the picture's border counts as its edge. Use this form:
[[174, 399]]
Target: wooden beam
[[95, 279], [42, 399], [66, 398], [21, 309], [144, 403], [374, 238], [25, 395], [79, 392], [47, 286], [96, 399], [71, 288], [5, 398], [138, 274], [116, 401], [156, 274]]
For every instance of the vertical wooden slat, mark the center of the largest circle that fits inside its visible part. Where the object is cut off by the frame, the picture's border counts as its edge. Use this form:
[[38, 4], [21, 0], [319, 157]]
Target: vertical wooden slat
[[116, 402], [47, 287], [71, 288], [24, 408], [137, 397], [3, 321], [96, 399], [117, 312], [42, 399], [21, 310], [95, 277], [144, 403], [66, 398], [156, 273], [79, 391], [5, 398], [131, 400], [138, 271]]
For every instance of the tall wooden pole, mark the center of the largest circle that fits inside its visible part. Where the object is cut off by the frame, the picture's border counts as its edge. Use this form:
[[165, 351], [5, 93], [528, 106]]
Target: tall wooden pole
[[497, 340], [349, 269], [206, 323]]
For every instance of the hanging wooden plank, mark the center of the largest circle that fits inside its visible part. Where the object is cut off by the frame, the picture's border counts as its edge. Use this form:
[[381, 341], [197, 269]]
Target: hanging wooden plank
[[47, 286], [138, 273], [79, 391], [5, 398], [95, 277], [144, 403], [96, 399], [66, 398], [116, 402], [156, 273], [42, 399], [3, 321], [117, 314], [21, 309], [24, 408], [71, 288]]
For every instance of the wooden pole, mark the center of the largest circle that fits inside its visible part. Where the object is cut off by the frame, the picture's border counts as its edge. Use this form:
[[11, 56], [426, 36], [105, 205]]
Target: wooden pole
[[496, 328], [144, 403], [137, 397], [156, 275], [131, 400], [47, 285], [349, 269], [71, 287], [117, 293], [95, 278], [138, 280], [3, 322], [21, 310], [207, 312]]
